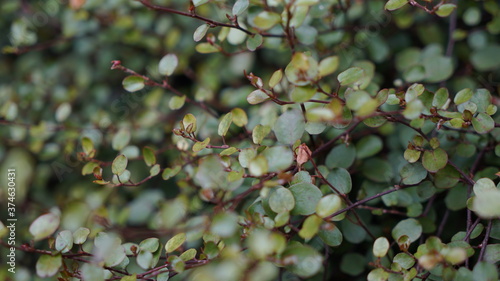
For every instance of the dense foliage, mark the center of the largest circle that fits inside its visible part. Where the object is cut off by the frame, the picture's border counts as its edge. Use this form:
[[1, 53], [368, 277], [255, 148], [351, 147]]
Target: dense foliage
[[250, 140]]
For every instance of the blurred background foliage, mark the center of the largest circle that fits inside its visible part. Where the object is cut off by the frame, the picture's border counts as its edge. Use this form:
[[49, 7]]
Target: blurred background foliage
[[57, 88]]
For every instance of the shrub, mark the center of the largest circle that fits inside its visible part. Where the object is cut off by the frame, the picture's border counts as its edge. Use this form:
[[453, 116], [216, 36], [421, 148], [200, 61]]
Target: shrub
[[250, 140]]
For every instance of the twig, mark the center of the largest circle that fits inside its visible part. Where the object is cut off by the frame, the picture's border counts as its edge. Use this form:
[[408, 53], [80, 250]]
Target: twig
[[116, 64], [485, 241], [210, 22], [468, 234], [367, 199]]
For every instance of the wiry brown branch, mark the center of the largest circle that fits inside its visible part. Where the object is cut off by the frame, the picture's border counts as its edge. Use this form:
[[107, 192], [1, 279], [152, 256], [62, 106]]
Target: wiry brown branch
[[150, 82], [210, 22]]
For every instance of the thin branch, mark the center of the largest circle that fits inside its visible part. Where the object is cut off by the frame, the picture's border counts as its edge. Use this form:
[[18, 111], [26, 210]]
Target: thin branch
[[485, 241], [210, 22], [443, 223], [332, 141], [367, 199], [466, 177], [468, 234], [116, 64]]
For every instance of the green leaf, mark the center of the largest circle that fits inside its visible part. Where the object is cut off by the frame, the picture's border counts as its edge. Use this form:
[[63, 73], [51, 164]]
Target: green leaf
[[188, 255], [434, 160], [155, 170], [404, 260], [380, 247], [305, 261], [378, 274], [198, 3], [240, 117], [409, 227], [412, 155], [258, 166], [121, 139], [484, 271], [150, 244], [63, 111], [198, 146], [48, 266], [235, 36], [437, 68], [456, 199], [228, 151], [414, 74], [108, 248], [189, 122], [350, 76], [132, 277], [440, 98], [177, 263], [88, 146], [281, 200], [90, 271], [259, 132], [262, 243], [302, 69], [168, 64], [340, 179], [254, 42], [245, 156], [413, 109], [485, 204], [176, 102], [463, 96], [206, 48], [342, 156], [175, 242], [200, 32], [64, 241], [445, 10], [360, 100], [328, 65], [276, 78], [133, 83], [352, 264], [330, 234], [447, 177], [483, 184], [395, 4], [486, 59], [44, 226], [265, 20], [119, 164], [80, 235], [492, 254], [310, 227], [240, 6], [145, 259], [257, 97], [377, 170], [306, 196], [279, 158], [368, 146], [289, 127], [224, 224], [413, 173], [149, 156], [302, 93], [413, 92], [483, 123], [170, 172], [328, 205]]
